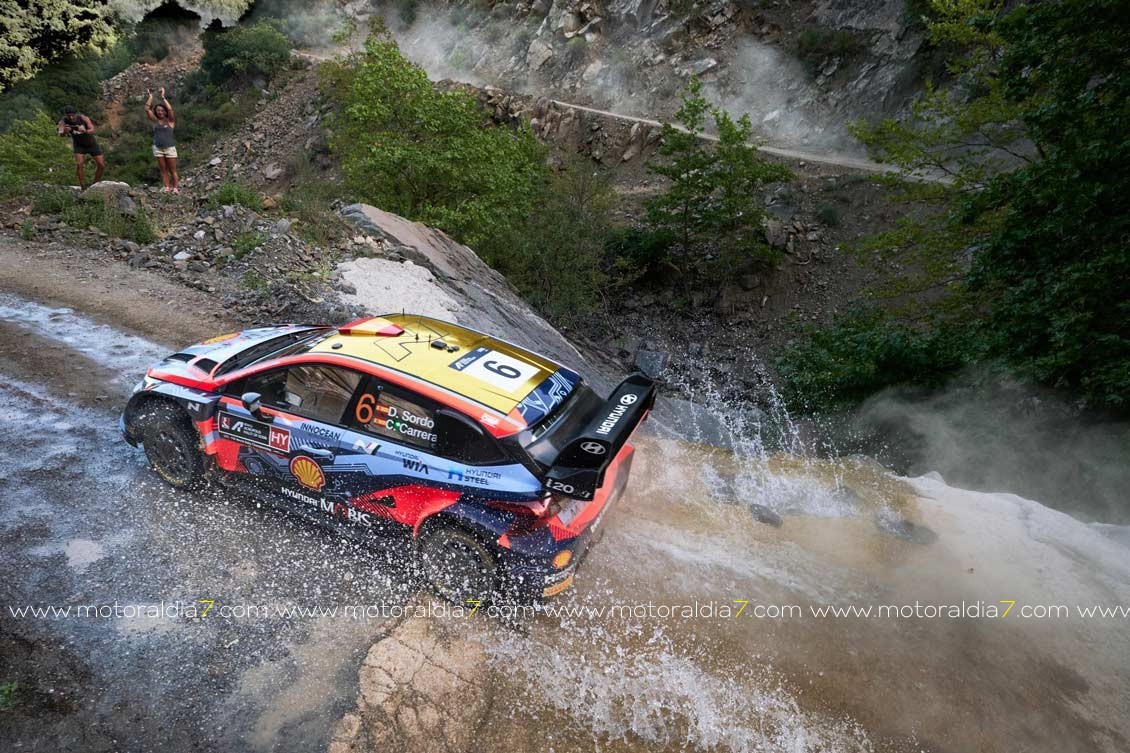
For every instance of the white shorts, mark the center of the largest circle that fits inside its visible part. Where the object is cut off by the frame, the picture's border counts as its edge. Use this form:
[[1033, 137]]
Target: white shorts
[[170, 151]]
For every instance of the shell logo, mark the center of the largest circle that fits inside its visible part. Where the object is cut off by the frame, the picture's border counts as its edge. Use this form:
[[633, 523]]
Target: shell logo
[[308, 473]]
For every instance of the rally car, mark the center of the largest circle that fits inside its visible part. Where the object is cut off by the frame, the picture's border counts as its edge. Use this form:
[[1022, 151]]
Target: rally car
[[498, 462]]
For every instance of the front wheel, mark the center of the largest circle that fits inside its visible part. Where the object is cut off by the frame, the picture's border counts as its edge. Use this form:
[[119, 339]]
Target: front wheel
[[172, 447], [458, 565]]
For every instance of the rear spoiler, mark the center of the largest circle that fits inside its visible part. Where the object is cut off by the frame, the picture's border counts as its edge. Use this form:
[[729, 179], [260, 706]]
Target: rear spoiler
[[578, 470]]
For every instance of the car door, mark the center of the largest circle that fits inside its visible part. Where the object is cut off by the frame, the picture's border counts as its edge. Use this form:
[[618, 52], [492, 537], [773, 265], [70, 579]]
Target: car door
[[294, 443]]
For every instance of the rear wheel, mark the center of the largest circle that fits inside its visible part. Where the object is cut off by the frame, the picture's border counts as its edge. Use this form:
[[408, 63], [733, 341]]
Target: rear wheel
[[172, 446], [458, 565]]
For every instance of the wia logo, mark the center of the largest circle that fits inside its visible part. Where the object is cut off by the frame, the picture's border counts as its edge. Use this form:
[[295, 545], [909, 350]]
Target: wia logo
[[416, 465]]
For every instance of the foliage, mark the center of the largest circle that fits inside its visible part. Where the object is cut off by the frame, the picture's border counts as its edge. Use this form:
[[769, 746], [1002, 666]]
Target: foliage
[[99, 212], [32, 36], [246, 242], [428, 155], [73, 79], [9, 695], [33, 151], [711, 197], [1032, 141], [866, 351], [232, 192], [308, 200], [633, 251], [682, 209], [557, 257], [244, 52]]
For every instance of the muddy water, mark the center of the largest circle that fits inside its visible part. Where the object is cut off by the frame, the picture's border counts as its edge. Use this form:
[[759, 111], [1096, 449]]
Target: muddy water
[[84, 523], [651, 681]]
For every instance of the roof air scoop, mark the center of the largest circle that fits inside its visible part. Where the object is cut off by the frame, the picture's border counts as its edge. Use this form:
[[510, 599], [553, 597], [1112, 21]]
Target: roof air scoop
[[373, 326]]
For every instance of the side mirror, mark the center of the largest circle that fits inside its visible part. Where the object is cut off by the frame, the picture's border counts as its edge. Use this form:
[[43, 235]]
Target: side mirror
[[252, 402]]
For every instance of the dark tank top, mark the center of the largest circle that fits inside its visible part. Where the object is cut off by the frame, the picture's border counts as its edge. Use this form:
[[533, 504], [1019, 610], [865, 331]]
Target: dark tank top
[[163, 136], [81, 140]]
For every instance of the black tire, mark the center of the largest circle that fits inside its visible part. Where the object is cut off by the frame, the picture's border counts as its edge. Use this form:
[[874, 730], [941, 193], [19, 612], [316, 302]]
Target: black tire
[[458, 565], [172, 446]]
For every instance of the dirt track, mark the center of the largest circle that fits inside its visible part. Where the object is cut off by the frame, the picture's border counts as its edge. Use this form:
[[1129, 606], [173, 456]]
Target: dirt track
[[83, 522]]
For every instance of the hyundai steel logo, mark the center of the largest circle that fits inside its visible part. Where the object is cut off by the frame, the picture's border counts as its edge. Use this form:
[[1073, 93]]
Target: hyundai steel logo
[[593, 448], [628, 399]]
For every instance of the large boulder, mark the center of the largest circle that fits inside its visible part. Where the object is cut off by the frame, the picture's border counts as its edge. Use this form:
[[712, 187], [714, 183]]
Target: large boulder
[[486, 300]]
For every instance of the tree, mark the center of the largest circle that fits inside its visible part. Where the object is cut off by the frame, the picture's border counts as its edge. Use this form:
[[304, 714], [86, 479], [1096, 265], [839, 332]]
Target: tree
[[1032, 137], [430, 155], [683, 207], [558, 257], [712, 194], [257, 50], [737, 176], [33, 36]]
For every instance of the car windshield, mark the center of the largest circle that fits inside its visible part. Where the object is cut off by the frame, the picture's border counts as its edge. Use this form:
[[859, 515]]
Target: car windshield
[[548, 438], [277, 347]]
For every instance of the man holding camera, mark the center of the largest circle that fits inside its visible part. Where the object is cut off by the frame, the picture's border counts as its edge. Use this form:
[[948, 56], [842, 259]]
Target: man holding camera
[[81, 130]]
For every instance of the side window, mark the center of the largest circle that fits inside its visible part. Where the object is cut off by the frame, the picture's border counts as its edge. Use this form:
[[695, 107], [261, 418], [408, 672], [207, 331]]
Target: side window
[[318, 392], [460, 440], [396, 414]]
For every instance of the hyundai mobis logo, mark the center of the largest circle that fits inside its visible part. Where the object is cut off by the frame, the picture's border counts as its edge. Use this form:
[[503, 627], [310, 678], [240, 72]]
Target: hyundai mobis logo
[[254, 433], [617, 413]]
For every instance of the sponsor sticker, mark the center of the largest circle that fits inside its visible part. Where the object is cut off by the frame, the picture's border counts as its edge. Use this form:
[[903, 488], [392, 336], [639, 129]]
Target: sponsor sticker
[[254, 433], [308, 473]]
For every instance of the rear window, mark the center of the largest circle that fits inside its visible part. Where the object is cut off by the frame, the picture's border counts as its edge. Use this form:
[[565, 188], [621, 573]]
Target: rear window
[[565, 424]]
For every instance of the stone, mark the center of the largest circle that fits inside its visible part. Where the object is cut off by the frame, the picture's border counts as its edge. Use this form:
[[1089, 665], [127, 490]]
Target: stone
[[182, 256], [776, 235], [705, 65], [198, 235], [283, 226], [215, 161], [273, 171], [538, 54]]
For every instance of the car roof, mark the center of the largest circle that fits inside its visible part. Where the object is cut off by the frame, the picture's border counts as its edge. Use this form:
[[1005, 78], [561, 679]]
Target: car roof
[[485, 369]]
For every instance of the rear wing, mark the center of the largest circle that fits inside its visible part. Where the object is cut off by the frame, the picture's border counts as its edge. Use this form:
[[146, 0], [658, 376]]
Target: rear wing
[[578, 470]]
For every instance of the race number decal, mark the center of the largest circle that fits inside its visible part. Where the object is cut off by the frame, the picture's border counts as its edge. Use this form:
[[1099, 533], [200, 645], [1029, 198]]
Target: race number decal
[[494, 368]]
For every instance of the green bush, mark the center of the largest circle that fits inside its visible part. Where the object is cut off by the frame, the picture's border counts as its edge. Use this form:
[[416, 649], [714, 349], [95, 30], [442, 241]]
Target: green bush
[[637, 251], [556, 258], [35, 34], [33, 150], [866, 351], [425, 154], [96, 211], [246, 242], [236, 194], [244, 52]]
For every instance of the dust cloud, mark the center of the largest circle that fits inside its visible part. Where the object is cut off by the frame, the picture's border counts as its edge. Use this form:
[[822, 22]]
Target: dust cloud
[[993, 434]]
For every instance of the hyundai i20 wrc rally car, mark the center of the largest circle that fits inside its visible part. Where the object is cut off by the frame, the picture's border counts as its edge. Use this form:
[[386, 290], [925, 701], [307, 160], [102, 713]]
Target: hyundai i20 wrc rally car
[[497, 461]]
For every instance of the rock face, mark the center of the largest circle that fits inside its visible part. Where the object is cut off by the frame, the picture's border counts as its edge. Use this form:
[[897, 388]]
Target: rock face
[[486, 301], [423, 688], [800, 69]]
